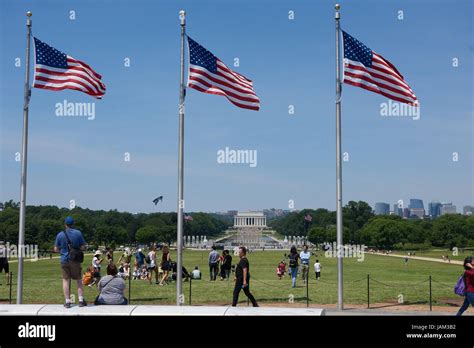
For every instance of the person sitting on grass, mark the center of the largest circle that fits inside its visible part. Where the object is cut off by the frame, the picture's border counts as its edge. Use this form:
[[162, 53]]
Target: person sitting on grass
[[185, 273], [136, 271], [111, 288], [123, 271], [144, 273], [196, 273]]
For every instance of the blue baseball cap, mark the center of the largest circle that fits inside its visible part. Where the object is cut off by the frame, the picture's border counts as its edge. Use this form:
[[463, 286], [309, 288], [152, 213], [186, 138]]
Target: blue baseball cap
[[69, 221]]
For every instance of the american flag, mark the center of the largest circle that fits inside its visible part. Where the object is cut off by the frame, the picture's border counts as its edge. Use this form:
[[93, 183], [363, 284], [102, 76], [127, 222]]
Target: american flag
[[188, 217], [158, 199], [366, 69], [208, 74], [55, 70], [308, 217]]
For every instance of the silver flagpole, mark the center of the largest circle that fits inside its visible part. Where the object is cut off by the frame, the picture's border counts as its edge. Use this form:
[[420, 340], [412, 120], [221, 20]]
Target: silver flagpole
[[24, 156], [179, 242], [340, 300]]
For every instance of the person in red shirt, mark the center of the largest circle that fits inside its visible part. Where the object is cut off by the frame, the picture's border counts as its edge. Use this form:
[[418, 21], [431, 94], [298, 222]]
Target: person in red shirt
[[281, 269], [469, 282]]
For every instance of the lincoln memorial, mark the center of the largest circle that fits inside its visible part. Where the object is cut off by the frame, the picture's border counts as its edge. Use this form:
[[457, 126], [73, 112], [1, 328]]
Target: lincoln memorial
[[250, 219]]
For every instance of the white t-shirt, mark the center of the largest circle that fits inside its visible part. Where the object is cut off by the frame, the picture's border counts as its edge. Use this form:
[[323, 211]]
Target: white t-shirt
[[95, 262], [317, 267], [152, 256], [196, 274]]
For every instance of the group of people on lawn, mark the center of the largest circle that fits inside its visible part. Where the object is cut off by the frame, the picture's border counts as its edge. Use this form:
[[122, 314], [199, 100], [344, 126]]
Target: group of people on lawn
[[295, 267], [112, 286]]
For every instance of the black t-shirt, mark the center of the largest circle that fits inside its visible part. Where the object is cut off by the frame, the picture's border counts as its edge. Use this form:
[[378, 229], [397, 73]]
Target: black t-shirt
[[227, 262], [239, 271], [3, 255], [294, 259]]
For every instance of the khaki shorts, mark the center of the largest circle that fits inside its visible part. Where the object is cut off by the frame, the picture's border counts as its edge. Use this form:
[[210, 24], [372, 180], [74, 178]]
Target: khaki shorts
[[71, 270]]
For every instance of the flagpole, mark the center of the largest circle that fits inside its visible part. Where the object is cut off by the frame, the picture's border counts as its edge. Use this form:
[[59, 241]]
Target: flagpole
[[179, 241], [24, 156], [340, 300]]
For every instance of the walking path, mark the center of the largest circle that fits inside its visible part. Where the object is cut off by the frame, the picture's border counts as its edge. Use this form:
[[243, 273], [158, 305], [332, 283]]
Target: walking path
[[40, 259], [422, 258]]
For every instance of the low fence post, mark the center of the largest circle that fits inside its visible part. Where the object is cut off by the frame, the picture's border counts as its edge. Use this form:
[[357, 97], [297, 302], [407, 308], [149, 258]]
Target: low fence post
[[10, 283], [368, 291], [129, 285], [190, 289], [307, 288], [431, 297]]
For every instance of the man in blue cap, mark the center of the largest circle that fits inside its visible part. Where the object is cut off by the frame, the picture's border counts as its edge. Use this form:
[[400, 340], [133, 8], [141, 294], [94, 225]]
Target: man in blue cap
[[73, 238]]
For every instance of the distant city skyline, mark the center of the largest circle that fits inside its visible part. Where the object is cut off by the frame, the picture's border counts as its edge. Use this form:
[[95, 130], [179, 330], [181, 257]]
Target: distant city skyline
[[390, 206]]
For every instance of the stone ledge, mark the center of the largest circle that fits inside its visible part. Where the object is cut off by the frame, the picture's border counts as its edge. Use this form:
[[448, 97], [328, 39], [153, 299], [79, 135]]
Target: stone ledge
[[146, 310]]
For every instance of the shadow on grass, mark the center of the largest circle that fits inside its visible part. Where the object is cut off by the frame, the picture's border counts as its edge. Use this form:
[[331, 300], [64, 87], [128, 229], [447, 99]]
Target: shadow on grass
[[279, 299], [399, 304], [150, 299]]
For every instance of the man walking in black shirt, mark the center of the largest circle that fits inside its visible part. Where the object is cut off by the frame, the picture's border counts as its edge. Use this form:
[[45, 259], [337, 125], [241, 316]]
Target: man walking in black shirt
[[242, 278]]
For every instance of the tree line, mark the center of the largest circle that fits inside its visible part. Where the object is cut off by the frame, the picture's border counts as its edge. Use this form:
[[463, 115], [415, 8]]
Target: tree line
[[361, 226], [110, 228]]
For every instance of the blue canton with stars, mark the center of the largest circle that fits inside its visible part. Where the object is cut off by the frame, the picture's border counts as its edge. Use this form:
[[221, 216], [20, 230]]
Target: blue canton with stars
[[198, 55], [356, 50], [47, 55]]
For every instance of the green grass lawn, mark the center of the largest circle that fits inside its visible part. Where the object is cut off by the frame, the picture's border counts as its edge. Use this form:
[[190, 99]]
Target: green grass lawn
[[390, 279]]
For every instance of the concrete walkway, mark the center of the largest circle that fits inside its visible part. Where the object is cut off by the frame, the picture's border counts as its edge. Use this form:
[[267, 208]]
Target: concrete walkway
[[148, 310], [384, 312], [422, 258], [42, 258]]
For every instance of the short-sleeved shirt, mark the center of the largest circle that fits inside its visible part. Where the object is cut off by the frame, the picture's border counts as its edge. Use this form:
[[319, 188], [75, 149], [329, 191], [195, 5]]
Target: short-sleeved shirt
[[213, 257], [96, 262], [469, 279], [239, 270], [76, 239], [317, 267], [293, 259], [3, 254], [227, 262], [152, 256], [140, 257], [111, 290], [305, 256]]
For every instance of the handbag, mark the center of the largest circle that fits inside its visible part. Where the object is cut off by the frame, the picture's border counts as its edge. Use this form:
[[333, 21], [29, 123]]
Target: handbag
[[75, 255], [460, 287]]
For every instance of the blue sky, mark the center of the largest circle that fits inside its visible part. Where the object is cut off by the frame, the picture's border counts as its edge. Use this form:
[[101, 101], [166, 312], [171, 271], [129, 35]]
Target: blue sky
[[291, 63]]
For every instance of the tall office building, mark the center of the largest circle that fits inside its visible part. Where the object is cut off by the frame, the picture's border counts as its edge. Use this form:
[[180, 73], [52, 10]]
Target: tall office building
[[406, 213], [416, 207], [382, 208], [397, 210], [434, 209], [468, 210], [447, 208]]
